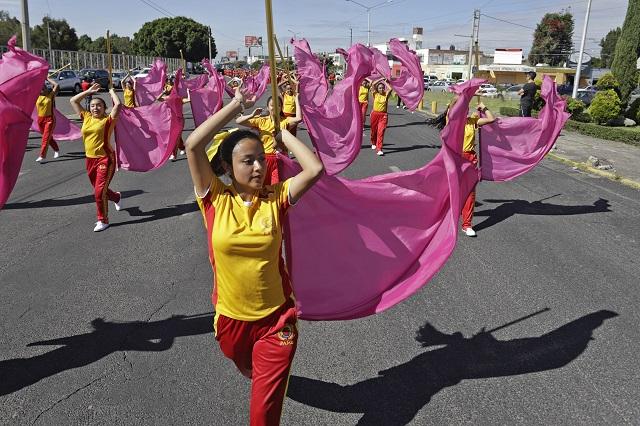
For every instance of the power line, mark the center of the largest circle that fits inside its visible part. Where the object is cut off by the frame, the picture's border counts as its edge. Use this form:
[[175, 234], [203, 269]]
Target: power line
[[157, 8], [508, 22]]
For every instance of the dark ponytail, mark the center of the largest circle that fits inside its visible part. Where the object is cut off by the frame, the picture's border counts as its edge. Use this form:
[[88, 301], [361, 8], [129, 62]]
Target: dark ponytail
[[225, 150], [440, 121]]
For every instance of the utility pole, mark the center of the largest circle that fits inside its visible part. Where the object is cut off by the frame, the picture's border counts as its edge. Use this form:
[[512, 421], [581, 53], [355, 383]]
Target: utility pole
[[350, 36], [26, 29], [576, 80], [53, 61], [209, 44], [475, 27]]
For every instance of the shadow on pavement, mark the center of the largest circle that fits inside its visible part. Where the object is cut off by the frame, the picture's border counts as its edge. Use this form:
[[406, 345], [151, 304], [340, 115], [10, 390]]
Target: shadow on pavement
[[157, 214], [61, 202], [512, 207], [106, 338], [396, 395]]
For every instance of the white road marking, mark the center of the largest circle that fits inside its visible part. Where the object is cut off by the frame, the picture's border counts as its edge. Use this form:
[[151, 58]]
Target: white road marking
[[395, 169]]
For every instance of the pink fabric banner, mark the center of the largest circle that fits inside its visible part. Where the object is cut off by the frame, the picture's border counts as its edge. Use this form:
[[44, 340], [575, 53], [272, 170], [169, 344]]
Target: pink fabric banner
[[410, 84], [191, 84], [510, 147], [21, 78], [333, 119], [150, 87], [147, 135], [208, 100], [358, 247], [65, 129], [257, 84]]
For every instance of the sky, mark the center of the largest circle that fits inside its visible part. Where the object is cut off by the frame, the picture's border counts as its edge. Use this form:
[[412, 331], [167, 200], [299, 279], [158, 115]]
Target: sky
[[326, 23]]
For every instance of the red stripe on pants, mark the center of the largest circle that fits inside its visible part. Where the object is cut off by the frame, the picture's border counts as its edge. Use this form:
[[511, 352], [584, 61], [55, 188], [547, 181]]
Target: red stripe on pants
[[469, 204], [100, 172], [46, 126], [378, 126], [262, 350], [363, 111], [271, 175]]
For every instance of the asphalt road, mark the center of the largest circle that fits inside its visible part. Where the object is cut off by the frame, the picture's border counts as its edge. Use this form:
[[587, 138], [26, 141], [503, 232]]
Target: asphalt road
[[115, 327]]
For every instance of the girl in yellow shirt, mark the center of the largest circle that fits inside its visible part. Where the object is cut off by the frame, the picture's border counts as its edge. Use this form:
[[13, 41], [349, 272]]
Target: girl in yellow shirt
[[379, 117], [363, 99], [255, 322], [289, 90], [97, 127], [267, 132], [45, 105], [129, 92]]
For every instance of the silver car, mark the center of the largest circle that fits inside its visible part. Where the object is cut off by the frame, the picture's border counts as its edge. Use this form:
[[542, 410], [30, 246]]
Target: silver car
[[511, 93], [68, 81], [440, 86]]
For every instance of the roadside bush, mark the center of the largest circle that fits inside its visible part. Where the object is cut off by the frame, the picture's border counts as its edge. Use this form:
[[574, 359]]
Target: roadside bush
[[619, 134], [605, 106], [582, 117], [608, 82], [509, 112], [574, 106]]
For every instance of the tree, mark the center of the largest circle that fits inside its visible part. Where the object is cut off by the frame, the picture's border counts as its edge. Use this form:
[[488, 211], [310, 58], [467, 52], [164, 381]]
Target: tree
[[62, 35], [118, 44], [552, 39], [84, 43], [9, 26], [166, 36], [608, 45], [626, 53]]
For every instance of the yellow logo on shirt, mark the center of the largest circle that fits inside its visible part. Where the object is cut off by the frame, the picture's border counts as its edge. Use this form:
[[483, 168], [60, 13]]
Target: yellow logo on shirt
[[287, 335], [267, 226]]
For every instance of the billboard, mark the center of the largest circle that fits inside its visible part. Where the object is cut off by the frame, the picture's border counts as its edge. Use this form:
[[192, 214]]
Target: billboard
[[252, 41], [232, 54], [507, 56]]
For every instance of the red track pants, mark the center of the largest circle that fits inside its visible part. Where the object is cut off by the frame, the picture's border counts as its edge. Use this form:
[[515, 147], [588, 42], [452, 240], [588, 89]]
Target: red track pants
[[467, 208], [179, 146], [363, 110], [378, 126], [46, 126], [262, 350], [100, 171], [272, 175]]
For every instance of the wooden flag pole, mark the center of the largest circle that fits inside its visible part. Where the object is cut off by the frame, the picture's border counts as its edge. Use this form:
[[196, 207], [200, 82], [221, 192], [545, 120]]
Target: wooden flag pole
[[184, 63], [272, 65], [109, 67], [59, 69], [284, 63]]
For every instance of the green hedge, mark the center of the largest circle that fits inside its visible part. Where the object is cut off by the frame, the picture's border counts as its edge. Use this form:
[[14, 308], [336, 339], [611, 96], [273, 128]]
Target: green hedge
[[619, 134], [509, 112]]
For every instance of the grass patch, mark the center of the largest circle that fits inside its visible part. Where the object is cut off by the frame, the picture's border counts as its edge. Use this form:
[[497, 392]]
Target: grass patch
[[443, 98]]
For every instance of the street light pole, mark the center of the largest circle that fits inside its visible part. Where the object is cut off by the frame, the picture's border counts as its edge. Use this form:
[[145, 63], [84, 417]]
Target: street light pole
[[209, 44], [369, 9], [26, 30], [576, 80]]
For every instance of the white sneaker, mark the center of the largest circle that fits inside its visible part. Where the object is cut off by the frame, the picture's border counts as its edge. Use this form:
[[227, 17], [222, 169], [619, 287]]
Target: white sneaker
[[380, 153], [56, 154], [39, 159], [372, 147], [100, 226], [469, 232], [172, 158], [119, 204], [397, 107], [182, 152]]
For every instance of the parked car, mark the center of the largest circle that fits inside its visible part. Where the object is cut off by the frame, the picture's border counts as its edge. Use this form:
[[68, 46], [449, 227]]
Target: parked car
[[142, 73], [68, 81], [98, 76], [439, 86], [489, 92], [117, 77], [429, 80], [511, 93]]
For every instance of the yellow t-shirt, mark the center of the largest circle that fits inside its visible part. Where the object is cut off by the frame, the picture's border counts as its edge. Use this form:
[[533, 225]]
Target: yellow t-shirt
[[469, 142], [380, 102], [267, 129], [45, 105], [245, 249], [288, 104], [363, 94], [96, 133], [129, 98]]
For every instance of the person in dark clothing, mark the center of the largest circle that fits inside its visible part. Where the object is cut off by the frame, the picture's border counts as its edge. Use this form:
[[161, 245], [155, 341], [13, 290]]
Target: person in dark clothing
[[527, 94]]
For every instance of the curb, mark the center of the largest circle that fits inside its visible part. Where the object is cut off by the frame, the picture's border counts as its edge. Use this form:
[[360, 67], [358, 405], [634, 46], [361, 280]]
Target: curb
[[589, 169]]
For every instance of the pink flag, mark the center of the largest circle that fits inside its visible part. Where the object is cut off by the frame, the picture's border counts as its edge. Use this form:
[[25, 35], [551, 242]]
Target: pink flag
[[358, 247], [191, 84], [333, 119], [257, 84], [208, 100], [14, 132], [510, 147], [21, 78], [410, 84], [65, 129], [150, 87]]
